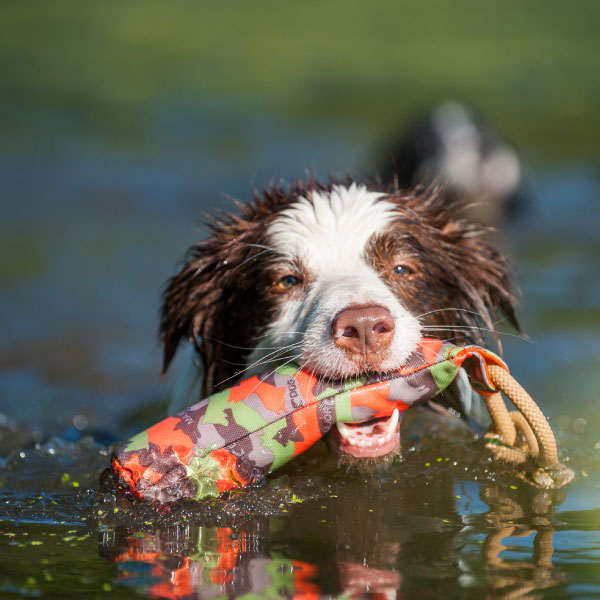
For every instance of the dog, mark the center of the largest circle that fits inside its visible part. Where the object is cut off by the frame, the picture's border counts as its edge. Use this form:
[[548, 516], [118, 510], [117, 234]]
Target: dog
[[454, 145], [342, 278]]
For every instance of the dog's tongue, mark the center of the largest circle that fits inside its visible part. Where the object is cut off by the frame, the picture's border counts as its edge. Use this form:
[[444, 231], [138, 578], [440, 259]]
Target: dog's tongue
[[370, 439]]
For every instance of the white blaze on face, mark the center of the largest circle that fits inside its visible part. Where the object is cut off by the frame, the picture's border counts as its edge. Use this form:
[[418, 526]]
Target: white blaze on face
[[328, 234]]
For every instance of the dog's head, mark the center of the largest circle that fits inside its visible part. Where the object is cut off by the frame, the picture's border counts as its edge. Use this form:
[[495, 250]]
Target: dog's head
[[343, 279]]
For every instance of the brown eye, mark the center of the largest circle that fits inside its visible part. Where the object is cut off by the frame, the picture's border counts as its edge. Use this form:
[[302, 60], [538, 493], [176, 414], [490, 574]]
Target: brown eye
[[403, 270], [287, 282]]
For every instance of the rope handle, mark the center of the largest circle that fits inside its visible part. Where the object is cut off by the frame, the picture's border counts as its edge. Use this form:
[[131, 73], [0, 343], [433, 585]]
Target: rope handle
[[523, 434]]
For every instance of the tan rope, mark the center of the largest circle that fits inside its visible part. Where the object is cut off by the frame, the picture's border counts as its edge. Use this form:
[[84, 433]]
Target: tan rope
[[501, 419], [506, 576], [525, 430], [509, 454], [548, 455]]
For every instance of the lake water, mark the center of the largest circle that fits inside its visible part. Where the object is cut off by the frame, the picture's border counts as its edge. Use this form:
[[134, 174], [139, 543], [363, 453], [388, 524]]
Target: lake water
[[99, 202]]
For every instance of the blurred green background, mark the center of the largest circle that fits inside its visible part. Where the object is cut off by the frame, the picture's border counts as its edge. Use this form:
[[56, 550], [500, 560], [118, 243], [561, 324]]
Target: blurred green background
[[110, 69]]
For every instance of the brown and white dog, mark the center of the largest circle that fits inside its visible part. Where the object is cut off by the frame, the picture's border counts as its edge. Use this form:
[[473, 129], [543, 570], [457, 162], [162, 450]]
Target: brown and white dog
[[342, 278]]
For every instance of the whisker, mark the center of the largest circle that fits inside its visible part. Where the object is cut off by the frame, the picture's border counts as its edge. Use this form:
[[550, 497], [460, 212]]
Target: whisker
[[263, 360], [438, 310], [249, 245], [257, 363], [244, 347], [248, 259], [274, 354], [238, 364], [304, 365], [259, 337], [451, 339], [294, 358], [457, 328]]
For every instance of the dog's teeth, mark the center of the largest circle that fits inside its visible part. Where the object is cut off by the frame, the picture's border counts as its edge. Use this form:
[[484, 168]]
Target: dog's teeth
[[391, 425], [370, 439], [344, 430]]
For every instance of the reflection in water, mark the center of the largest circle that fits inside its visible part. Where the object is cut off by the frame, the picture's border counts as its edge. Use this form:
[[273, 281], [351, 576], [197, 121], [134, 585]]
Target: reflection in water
[[387, 552], [207, 562], [358, 580], [510, 518]]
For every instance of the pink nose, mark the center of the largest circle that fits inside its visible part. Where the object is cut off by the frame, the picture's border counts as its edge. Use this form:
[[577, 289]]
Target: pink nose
[[365, 330]]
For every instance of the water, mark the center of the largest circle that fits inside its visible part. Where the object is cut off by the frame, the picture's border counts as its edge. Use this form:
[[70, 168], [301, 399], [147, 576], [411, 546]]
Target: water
[[108, 162]]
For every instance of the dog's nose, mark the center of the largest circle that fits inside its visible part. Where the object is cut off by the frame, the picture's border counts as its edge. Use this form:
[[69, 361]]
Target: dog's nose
[[363, 329]]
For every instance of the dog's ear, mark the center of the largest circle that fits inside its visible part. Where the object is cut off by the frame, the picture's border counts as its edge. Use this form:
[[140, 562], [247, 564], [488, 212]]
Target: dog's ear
[[195, 304], [486, 275], [218, 277], [191, 301], [478, 276]]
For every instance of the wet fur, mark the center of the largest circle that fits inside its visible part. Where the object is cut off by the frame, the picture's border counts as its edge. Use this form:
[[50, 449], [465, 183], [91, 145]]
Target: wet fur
[[223, 298]]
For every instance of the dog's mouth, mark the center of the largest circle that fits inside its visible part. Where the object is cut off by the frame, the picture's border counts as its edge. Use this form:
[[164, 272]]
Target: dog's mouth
[[369, 439]]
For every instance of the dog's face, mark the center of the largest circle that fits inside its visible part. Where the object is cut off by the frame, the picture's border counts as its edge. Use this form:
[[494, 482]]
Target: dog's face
[[341, 279], [341, 309]]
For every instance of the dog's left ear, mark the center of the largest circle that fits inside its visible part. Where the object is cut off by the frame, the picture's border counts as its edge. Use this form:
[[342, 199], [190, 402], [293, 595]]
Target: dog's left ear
[[486, 274], [479, 276]]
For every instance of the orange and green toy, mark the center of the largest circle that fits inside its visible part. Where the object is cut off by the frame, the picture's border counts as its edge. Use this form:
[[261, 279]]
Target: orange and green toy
[[237, 436]]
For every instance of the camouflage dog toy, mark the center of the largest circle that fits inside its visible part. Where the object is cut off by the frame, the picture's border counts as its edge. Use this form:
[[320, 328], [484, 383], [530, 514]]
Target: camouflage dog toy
[[237, 436]]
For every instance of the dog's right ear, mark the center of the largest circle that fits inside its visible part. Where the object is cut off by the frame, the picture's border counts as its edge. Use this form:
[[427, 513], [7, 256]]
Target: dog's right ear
[[196, 301], [191, 300]]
